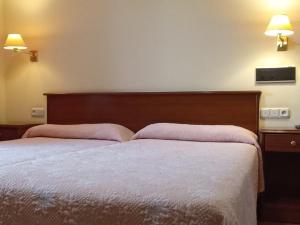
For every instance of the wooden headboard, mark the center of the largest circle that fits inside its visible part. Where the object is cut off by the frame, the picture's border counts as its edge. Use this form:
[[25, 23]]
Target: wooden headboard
[[136, 110]]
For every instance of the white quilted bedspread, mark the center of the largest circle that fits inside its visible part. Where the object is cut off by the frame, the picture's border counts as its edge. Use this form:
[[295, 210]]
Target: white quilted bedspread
[[142, 182]]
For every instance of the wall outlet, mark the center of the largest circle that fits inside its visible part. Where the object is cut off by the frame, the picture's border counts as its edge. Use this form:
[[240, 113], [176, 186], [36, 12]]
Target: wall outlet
[[38, 112], [275, 113], [284, 113]]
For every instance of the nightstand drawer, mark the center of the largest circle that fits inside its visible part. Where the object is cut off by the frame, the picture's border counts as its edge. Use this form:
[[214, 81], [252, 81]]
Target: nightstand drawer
[[1, 135], [282, 142], [11, 132], [8, 134]]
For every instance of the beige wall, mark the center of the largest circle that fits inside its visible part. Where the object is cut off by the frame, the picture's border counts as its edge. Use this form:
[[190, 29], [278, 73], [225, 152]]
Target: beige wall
[[147, 45], [2, 81]]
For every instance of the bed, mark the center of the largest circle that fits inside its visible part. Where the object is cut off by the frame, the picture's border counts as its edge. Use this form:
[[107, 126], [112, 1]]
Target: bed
[[47, 140], [149, 180]]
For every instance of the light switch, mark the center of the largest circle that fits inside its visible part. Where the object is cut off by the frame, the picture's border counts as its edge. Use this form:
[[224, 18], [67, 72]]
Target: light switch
[[38, 112], [275, 113], [265, 113]]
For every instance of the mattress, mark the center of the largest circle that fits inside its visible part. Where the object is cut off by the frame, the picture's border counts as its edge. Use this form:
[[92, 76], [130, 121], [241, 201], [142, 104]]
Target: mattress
[[141, 182]]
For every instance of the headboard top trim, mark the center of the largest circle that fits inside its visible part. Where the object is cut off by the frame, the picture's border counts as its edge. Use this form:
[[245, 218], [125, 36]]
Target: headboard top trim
[[155, 93]]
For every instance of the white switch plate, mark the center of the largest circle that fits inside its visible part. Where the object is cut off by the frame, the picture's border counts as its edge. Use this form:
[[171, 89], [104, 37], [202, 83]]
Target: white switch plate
[[38, 112], [275, 113]]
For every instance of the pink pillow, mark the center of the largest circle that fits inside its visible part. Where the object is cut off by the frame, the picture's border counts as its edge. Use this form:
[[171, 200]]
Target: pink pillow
[[201, 133], [103, 131]]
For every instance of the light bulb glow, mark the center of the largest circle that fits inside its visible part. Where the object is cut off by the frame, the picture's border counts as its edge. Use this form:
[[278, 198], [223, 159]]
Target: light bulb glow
[[280, 4]]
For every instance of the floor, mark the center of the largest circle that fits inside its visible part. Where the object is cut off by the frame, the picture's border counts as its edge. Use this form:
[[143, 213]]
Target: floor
[[275, 224]]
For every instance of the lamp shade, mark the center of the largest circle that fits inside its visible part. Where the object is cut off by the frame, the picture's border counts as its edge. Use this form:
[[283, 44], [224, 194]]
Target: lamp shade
[[14, 42], [279, 25]]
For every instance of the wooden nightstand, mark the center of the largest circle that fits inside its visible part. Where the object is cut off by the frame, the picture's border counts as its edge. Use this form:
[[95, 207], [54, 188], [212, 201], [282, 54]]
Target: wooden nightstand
[[10, 132], [281, 153]]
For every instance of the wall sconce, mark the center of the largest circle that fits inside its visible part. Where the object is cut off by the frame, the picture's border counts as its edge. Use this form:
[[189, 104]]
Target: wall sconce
[[281, 28], [16, 43]]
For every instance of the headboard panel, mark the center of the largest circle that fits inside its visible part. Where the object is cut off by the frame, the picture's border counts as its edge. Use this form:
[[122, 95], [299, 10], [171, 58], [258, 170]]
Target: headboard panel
[[136, 110]]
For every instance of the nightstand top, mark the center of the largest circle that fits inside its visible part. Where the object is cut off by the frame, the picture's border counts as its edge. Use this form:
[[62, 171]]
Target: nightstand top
[[278, 130]]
